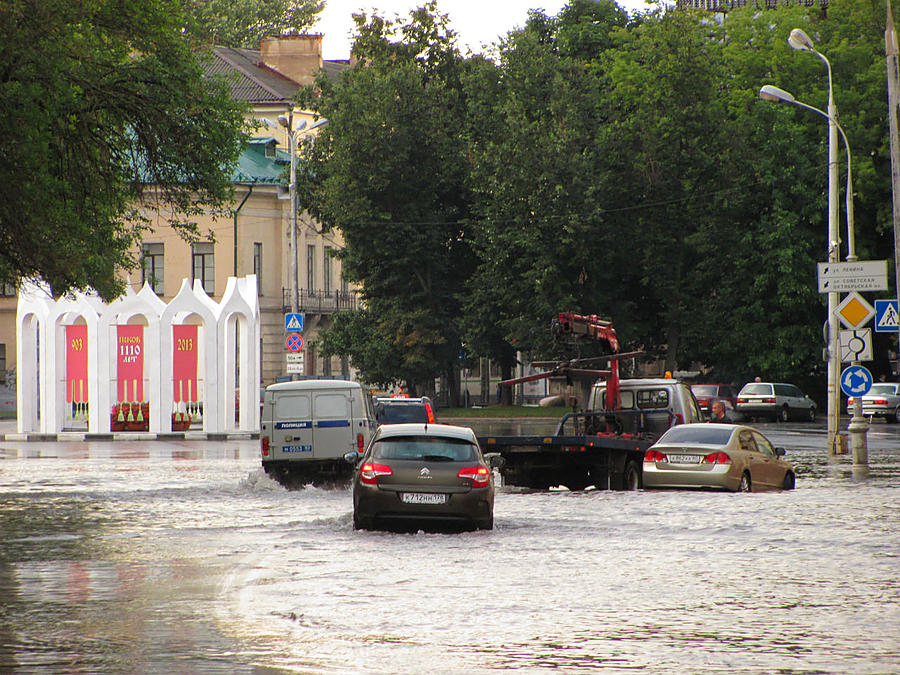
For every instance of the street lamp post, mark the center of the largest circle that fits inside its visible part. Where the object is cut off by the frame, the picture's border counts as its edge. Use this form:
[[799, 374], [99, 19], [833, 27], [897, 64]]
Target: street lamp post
[[858, 427], [800, 40]]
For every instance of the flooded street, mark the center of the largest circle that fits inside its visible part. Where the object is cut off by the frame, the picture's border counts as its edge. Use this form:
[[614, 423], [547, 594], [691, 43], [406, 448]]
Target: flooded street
[[182, 556]]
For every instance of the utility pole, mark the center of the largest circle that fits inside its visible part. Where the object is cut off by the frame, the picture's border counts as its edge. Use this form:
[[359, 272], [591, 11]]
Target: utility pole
[[893, 84]]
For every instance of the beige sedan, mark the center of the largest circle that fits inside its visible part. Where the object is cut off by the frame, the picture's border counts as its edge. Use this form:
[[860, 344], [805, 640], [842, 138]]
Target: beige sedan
[[717, 456]]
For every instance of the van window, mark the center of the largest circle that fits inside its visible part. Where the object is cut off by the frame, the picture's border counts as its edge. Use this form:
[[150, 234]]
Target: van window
[[626, 399], [332, 406], [653, 398], [289, 407]]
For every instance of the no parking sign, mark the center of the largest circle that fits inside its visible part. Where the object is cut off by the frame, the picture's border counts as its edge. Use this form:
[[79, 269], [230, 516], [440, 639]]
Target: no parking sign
[[294, 342]]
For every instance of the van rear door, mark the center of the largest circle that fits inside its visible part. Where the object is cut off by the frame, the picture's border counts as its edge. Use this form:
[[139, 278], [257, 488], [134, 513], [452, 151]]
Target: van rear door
[[292, 428], [332, 434]]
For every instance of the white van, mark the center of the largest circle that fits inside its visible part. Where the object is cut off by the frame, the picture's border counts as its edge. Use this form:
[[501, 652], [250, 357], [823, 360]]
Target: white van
[[650, 405], [307, 427]]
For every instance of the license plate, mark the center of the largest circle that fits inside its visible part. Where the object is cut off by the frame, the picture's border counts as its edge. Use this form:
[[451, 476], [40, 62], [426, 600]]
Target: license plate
[[296, 448], [423, 498], [684, 459]]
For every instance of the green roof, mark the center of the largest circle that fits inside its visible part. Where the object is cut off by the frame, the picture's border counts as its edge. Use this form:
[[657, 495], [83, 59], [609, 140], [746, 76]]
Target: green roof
[[261, 162]]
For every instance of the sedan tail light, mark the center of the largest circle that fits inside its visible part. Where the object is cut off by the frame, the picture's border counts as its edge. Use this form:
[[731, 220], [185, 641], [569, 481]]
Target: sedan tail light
[[265, 446], [655, 456], [879, 401], [849, 400], [479, 475], [717, 458], [370, 472]]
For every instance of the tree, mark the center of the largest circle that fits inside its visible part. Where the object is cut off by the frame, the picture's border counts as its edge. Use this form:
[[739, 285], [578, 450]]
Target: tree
[[390, 171], [104, 106], [243, 23]]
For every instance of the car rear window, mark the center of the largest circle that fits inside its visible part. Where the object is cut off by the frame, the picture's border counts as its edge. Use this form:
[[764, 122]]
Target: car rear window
[[424, 448], [700, 434], [392, 412], [757, 388], [882, 390]]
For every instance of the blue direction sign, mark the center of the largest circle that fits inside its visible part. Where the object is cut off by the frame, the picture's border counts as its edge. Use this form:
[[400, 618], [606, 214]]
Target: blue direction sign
[[887, 318], [293, 322], [293, 343], [856, 381]]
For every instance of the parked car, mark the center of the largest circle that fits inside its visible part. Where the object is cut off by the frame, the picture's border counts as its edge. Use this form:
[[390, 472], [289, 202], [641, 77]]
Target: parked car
[[883, 400], [775, 401], [730, 457], [707, 394], [423, 475], [403, 409]]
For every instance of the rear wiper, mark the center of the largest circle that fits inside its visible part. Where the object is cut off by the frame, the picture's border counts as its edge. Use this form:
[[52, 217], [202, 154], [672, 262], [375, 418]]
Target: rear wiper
[[437, 458]]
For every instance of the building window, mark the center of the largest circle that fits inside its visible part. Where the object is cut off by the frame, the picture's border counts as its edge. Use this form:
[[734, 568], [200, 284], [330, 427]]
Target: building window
[[311, 267], [326, 271], [257, 266], [8, 290], [204, 266], [152, 270]]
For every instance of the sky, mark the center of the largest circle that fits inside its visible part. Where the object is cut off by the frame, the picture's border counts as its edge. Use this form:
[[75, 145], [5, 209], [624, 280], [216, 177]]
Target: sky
[[477, 22]]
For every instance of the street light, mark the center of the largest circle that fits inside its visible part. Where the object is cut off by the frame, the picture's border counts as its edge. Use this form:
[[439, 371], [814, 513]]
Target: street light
[[293, 136], [858, 424], [801, 41]]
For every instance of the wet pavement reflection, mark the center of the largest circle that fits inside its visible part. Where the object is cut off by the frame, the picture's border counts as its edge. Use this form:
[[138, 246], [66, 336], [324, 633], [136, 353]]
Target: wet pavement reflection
[[182, 556]]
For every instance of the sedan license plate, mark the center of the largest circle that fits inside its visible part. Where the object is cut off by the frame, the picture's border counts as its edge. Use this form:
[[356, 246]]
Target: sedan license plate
[[684, 459], [423, 498]]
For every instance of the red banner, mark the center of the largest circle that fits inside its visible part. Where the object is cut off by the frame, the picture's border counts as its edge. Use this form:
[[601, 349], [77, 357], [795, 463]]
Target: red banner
[[184, 363], [130, 355], [76, 364]]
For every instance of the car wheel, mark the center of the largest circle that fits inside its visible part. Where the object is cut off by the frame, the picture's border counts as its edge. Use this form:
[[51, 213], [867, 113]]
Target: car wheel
[[789, 481], [784, 414], [745, 485], [812, 414], [357, 522], [631, 479], [487, 524], [896, 419]]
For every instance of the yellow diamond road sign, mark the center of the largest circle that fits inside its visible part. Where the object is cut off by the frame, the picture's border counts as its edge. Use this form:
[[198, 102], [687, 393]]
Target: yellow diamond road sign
[[854, 311]]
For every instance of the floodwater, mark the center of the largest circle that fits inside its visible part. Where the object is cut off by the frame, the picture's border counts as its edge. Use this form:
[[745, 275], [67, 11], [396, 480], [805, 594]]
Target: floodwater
[[184, 557]]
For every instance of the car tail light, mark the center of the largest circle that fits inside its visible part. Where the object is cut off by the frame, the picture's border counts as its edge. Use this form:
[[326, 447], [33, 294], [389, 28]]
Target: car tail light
[[479, 475], [850, 401], [370, 472], [360, 442], [717, 458], [879, 401], [429, 412], [770, 399], [679, 418], [742, 400], [655, 456], [265, 446]]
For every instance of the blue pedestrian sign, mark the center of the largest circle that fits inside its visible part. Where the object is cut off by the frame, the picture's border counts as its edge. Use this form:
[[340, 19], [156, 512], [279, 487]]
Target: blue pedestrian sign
[[887, 318], [856, 381], [293, 322]]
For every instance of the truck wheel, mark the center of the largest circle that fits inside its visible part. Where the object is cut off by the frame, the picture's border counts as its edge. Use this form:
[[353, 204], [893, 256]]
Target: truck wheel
[[631, 479]]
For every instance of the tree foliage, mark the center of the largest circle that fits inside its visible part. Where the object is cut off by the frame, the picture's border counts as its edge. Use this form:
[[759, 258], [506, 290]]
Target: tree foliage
[[390, 171], [243, 23], [610, 164], [101, 100]]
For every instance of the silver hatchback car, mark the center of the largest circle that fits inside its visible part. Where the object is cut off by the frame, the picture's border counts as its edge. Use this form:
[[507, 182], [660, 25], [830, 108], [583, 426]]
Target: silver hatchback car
[[883, 400]]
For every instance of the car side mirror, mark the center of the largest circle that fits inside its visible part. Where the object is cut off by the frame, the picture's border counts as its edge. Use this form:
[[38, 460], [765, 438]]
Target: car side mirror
[[495, 460], [352, 457], [780, 452]]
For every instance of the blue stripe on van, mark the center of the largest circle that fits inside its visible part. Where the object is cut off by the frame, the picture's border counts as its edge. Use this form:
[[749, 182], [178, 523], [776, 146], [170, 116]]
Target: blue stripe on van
[[293, 425], [332, 423]]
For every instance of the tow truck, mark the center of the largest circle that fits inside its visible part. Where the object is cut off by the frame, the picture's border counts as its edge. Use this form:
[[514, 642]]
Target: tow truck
[[600, 443]]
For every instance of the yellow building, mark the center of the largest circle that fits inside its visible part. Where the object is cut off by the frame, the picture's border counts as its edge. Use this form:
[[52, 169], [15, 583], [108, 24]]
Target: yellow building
[[255, 238]]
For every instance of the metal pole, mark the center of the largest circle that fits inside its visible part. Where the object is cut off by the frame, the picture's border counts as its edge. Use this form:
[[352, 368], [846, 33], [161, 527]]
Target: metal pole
[[893, 83], [834, 343]]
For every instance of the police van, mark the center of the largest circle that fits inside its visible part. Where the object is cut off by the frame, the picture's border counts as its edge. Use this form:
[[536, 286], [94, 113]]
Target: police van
[[307, 427]]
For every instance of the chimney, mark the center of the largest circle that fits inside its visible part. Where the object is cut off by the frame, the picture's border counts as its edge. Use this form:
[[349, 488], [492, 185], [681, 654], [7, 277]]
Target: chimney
[[298, 57]]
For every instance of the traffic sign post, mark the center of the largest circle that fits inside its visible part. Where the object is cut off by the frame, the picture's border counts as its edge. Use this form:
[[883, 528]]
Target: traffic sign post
[[843, 277]]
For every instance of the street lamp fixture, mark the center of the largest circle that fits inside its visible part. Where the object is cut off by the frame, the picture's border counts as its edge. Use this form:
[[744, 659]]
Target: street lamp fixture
[[858, 425], [799, 40]]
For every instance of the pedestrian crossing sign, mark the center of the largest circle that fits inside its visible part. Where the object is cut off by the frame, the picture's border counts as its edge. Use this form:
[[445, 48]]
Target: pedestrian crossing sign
[[887, 318], [293, 322]]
